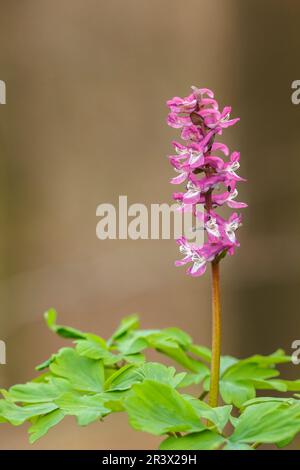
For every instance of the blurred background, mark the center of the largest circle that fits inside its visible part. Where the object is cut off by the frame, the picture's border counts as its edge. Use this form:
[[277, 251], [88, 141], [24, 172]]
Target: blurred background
[[84, 122]]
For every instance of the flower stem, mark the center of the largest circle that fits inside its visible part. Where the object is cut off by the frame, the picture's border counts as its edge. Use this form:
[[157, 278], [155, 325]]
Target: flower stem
[[216, 335]]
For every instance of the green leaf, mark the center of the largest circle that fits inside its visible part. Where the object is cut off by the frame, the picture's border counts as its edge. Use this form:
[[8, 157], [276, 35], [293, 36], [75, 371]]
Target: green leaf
[[132, 344], [234, 420], [46, 363], [136, 359], [17, 415], [190, 379], [205, 440], [291, 385], [236, 392], [96, 348], [240, 379], [278, 357], [122, 379], [161, 373], [115, 400], [219, 415], [163, 343], [90, 349], [278, 385], [258, 400], [285, 442], [158, 409], [83, 373], [237, 446], [43, 423], [32, 392], [86, 408], [127, 324], [248, 371], [179, 336], [226, 362], [268, 422], [64, 331], [200, 351]]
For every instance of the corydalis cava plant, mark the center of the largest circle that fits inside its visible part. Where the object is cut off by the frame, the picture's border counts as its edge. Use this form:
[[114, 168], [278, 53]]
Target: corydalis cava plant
[[209, 178], [95, 377], [209, 173]]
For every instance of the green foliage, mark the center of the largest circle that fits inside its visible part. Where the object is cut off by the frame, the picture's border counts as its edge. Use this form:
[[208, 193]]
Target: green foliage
[[269, 422], [205, 440], [86, 408], [240, 379], [97, 377], [82, 373], [157, 408], [43, 423]]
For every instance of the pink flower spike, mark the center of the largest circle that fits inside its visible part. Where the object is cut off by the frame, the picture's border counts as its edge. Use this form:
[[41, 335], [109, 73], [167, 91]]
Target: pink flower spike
[[198, 162]]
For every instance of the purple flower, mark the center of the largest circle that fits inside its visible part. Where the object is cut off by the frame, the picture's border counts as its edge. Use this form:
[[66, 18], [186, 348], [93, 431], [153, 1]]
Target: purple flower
[[183, 105], [228, 198], [177, 121], [192, 133], [232, 166], [203, 165], [199, 257], [214, 119]]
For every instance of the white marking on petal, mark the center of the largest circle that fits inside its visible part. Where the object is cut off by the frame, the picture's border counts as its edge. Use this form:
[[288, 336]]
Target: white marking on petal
[[233, 195], [194, 156], [230, 230], [199, 261], [186, 250], [212, 227]]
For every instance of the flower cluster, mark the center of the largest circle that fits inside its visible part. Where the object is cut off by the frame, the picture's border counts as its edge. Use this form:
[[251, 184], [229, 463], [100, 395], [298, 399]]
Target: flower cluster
[[209, 172]]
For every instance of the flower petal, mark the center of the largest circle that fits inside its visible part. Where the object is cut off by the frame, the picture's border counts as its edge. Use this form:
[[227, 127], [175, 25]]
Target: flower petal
[[180, 178]]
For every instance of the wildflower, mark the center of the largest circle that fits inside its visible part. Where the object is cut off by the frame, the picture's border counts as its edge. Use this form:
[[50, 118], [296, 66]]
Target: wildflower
[[198, 164]]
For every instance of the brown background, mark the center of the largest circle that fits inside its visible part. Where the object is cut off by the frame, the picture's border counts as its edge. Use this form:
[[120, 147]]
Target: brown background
[[84, 123]]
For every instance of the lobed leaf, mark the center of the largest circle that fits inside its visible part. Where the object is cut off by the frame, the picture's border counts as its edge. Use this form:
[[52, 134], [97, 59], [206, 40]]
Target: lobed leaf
[[159, 409], [87, 408], [269, 422], [64, 331], [84, 374], [205, 440], [43, 423]]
